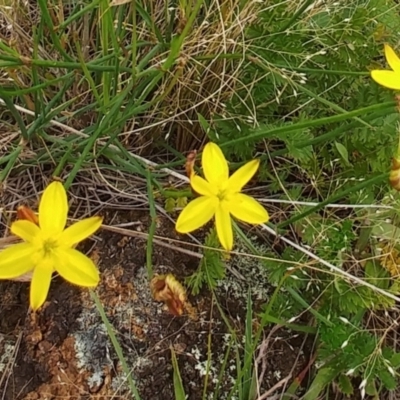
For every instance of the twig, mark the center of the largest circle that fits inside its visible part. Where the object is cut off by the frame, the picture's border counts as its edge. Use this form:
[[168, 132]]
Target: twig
[[275, 387], [161, 241], [313, 204]]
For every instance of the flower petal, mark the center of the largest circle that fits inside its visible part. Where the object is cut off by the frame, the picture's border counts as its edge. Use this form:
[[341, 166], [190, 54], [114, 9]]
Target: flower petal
[[53, 209], [40, 283], [79, 231], [388, 79], [247, 209], [392, 59], [196, 214], [202, 187], [215, 166], [240, 177], [224, 226], [16, 260], [26, 230], [76, 268]]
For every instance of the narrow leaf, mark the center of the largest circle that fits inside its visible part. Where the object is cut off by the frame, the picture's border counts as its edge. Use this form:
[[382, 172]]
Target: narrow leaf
[[178, 386]]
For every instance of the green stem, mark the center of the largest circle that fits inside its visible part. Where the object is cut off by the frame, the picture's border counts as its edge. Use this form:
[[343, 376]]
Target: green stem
[[289, 23], [14, 156], [263, 132], [329, 135], [44, 8], [16, 115], [91, 66], [117, 347], [152, 228]]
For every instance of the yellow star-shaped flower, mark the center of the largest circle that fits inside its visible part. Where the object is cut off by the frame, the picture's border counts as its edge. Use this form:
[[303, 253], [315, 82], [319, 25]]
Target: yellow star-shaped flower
[[386, 78], [220, 196], [48, 247]]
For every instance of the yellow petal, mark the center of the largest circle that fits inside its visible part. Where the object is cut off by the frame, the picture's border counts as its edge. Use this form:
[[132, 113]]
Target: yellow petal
[[53, 209], [76, 268], [392, 59], [388, 79], [16, 260], [79, 231], [196, 214], [214, 164], [26, 230], [247, 209], [224, 226], [40, 283], [240, 177], [202, 187]]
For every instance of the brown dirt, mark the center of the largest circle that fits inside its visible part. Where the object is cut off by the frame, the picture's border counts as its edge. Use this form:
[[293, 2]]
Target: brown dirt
[[64, 352]]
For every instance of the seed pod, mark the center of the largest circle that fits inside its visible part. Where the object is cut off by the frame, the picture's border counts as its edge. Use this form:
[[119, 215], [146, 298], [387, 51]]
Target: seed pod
[[394, 177]]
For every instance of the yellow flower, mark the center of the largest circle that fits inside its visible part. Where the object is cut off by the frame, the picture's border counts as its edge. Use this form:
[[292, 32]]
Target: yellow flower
[[48, 247], [220, 197], [389, 79]]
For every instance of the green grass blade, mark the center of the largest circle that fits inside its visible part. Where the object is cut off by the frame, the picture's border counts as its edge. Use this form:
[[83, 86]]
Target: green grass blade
[[178, 385], [152, 228], [263, 132], [117, 347]]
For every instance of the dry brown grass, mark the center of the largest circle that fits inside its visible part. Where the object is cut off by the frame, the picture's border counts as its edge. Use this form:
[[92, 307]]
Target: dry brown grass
[[201, 81]]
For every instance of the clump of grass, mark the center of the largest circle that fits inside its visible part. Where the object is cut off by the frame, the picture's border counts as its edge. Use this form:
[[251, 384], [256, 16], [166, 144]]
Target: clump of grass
[[145, 68]]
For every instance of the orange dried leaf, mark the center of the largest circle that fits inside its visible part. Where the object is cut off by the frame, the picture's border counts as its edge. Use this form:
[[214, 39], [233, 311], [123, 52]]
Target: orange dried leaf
[[24, 212], [190, 161], [394, 177], [167, 289]]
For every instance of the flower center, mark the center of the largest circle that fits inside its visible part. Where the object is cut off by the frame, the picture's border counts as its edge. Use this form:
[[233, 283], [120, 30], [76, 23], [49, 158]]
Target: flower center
[[48, 246], [221, 195], [223, 191]]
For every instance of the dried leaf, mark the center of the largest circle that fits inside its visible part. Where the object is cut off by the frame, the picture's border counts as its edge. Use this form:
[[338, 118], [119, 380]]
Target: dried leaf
[[24, 212], [397, 99], [190, 161], [394, 177], [119, 2], [8, 241], [167, 289]]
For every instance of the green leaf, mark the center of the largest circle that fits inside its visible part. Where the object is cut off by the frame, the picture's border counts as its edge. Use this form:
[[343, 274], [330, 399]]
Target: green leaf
[[211, 268], [204, 123], [170, 204], [324, 377], [395, 360], [385, 230], [388, 380], [248, 351], [377, 275], [181, 202], [178, 386], [343, 152], [207, 128], [370, 388], [345, 385]]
